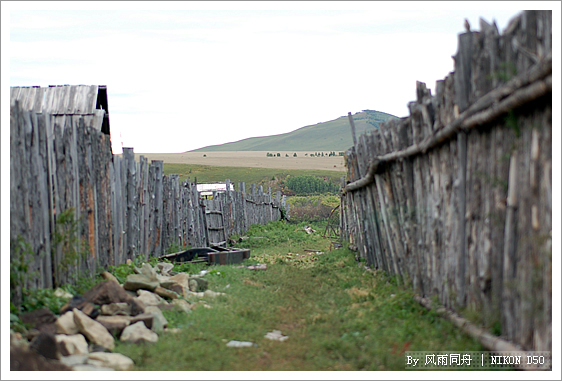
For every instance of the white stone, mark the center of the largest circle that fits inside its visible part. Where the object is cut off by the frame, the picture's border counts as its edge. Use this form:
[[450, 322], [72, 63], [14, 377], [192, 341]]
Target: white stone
[[137, 332], [213, 294], [72, 344], [116, 361], [65, 324], [74, 360], [60, 293], [149, 298], [94, 331]]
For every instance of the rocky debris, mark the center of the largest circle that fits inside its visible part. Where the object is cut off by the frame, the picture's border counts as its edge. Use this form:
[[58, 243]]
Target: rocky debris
[[25, 359], [276, 335], [60, 293], [309, 230], [136, 282], [240, 344], [114, 324], [42, 319], [107, 292], [94, 331], [182, 279], [109, 276], [115, 361], [138, 333], [45, 344], [258, 266], [165, 293], [80, 303], [65, 324], [159, 322], [212, 294], [149, 298], [179, 289], [198, 284], [69, 345], [183, 305], [73, 360], [164, 268], [116, 309], [88, 325], [146, 318]]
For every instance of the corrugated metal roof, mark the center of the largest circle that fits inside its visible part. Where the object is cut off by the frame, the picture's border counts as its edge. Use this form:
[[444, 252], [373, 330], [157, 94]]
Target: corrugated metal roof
[[80, 100]]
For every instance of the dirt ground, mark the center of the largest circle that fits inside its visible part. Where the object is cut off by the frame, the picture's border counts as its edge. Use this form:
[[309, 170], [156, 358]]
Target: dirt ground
[[256, 159]]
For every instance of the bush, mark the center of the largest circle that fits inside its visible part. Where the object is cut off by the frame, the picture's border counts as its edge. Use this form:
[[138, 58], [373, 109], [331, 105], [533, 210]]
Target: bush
[[308, 185]]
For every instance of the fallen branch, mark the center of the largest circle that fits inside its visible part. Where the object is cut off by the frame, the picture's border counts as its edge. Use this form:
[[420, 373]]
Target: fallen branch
[[492, 343]]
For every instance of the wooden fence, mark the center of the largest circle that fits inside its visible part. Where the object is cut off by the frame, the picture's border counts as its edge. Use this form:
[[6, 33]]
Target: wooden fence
[[122, 208], [456, 199]]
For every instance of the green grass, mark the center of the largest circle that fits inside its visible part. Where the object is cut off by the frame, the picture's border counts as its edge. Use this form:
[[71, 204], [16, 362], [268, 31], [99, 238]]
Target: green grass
[[334, 135], [258, 176], [337, 316]]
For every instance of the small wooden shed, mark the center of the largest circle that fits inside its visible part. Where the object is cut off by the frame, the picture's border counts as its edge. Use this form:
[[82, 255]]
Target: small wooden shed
[[61, 102]]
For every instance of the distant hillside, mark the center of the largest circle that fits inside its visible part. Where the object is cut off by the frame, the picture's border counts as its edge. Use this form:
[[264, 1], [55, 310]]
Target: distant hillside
[[334, 135]]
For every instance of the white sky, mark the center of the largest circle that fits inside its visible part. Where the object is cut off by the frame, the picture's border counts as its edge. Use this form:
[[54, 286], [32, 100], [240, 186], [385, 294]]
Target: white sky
[[184, 75]]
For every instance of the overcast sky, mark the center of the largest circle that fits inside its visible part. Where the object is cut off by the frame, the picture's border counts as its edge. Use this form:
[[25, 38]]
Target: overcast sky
[[181, 76]]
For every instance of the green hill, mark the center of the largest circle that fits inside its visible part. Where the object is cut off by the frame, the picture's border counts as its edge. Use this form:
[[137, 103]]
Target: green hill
[[334, 135]]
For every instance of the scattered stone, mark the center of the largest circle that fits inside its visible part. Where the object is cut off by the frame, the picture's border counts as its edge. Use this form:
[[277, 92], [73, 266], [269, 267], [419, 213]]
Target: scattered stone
[[146, 318], [138, 332], [38, 318], [65, 324], [109, 276], [73, 360], [183, 305], [178, 289], [115, 361], [137, 306], [165, 281], [45, 344], [72, 345], [91, 368], [159, 322], [160, 291], [150, 299], [172, 330], [195, 306], [80, 303], [106, 292], [164, 267], [148, 271], [96, 348], [309, 230], [116, 309], [60, 293], [136, 282], [114, 324], [240, 344], [259, 266], [213, 294], [276, 335], [24, 359], [181, 279], [198, 284], [94, 331]]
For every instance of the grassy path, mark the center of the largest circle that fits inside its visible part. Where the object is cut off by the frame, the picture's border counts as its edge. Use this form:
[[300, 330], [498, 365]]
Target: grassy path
[[337, 315]]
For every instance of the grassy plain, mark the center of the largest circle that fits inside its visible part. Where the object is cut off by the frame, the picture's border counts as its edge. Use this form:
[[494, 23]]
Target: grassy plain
[[254, 159]]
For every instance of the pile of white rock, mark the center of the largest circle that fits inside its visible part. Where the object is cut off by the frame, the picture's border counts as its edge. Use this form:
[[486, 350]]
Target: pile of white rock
[[84, 334]]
